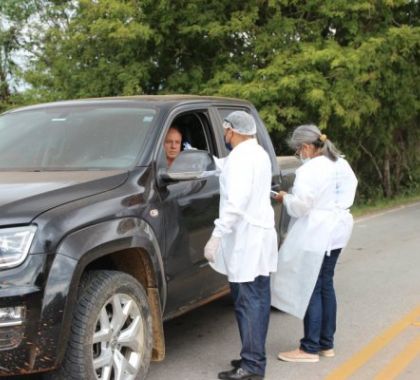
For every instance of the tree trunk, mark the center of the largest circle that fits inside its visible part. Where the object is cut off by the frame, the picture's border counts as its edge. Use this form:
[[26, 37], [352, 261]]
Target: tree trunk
[[400, 154], [398, 174], [375, 164], [4, 87], [387, 184]]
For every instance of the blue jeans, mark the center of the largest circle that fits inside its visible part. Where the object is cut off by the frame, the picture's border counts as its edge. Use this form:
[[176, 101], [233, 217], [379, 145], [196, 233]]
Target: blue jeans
[[252, 308], [319, 323]]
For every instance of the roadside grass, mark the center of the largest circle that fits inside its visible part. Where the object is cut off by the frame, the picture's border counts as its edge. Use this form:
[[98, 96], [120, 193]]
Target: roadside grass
[[384, 204]]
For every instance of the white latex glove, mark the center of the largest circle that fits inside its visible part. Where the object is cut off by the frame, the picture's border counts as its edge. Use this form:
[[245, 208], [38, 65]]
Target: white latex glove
[[211, 248]]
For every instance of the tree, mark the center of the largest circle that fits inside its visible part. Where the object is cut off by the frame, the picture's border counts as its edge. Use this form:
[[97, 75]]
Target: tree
[[112, 47], [353, 69], [390, 136], [349, 66], [13, 16]]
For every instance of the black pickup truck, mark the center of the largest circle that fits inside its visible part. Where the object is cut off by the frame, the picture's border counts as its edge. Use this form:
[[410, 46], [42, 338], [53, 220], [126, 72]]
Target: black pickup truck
[[101, 242]]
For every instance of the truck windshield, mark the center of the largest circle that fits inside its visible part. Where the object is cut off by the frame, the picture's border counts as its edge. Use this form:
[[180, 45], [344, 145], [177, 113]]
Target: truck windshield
[[73, 138]]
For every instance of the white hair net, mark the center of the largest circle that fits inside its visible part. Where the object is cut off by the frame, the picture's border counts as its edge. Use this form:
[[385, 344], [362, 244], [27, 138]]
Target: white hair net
[[241, 122]]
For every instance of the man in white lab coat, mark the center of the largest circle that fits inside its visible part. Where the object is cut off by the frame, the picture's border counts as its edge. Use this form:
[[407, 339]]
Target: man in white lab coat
[[243, 244]]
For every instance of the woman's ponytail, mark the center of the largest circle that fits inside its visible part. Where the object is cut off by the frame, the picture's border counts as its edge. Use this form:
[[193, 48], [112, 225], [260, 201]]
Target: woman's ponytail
[[310, 134]]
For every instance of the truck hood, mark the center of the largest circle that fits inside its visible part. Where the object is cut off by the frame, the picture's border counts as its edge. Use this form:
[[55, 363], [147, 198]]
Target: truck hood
[[25, 195]]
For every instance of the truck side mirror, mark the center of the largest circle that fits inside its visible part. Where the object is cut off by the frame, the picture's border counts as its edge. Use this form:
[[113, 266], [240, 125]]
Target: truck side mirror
[[190, 165]]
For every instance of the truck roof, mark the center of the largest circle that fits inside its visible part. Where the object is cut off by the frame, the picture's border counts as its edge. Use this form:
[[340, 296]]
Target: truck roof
[[152, 100]]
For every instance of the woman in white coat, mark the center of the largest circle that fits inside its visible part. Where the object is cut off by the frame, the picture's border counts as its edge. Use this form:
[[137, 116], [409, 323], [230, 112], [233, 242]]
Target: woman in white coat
[[321, 225]]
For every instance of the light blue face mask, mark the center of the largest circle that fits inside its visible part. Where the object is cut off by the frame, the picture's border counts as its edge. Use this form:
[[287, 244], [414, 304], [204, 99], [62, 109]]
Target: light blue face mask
[[302, 159]]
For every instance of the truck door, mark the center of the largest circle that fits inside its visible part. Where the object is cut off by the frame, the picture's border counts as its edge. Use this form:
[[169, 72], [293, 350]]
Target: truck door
[[189, 209]]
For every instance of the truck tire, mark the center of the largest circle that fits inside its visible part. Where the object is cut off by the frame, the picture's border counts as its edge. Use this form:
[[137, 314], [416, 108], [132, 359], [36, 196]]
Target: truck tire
[[111, 332]]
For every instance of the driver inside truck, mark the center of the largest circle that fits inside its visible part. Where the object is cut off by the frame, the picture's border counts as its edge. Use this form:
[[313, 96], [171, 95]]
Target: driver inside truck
[[172, 144]]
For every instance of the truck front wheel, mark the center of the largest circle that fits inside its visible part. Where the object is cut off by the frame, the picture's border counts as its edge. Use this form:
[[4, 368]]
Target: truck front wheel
[[111, 333]]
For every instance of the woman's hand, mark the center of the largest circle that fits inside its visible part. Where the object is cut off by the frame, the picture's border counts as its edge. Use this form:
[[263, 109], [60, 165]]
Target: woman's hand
[[279, 196]]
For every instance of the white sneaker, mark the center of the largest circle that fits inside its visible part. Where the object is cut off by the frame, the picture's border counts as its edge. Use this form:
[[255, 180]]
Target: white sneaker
[[327, 353], [298, 356]]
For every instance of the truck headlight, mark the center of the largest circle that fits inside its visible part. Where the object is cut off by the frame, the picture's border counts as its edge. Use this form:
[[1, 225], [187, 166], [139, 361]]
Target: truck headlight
[[12, 316], [14, 245]]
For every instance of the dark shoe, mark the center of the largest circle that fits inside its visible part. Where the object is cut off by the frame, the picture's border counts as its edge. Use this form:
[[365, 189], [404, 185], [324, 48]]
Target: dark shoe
[[235, 363], [239, 374]]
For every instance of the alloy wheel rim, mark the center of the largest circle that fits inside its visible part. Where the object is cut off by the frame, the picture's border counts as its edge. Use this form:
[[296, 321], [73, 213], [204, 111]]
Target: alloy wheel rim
[[118, 339]]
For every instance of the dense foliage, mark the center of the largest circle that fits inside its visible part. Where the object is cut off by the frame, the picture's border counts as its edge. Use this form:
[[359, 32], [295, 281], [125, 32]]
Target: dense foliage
[[350, 66]]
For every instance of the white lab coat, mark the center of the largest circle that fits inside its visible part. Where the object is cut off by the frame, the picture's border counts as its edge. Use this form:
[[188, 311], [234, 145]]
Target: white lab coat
[[321, 196], [245, 225]]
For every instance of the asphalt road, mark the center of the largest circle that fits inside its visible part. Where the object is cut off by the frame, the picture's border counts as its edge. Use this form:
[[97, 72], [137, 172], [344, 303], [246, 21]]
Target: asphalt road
[[378, 289], [377, 283]]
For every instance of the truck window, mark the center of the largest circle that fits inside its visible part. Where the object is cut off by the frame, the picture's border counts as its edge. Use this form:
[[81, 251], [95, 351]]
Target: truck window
[[224, 111], [196, 133], [74, 137]]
